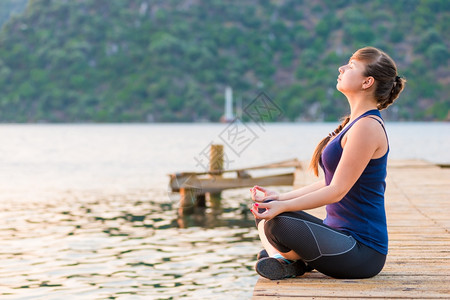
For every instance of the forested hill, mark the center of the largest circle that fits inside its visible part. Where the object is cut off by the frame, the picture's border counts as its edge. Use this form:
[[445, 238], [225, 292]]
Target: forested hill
[[167, 60], [10, 8]]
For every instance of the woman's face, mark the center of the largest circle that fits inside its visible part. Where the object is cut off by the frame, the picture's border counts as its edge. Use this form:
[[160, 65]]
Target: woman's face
[[351, 78]]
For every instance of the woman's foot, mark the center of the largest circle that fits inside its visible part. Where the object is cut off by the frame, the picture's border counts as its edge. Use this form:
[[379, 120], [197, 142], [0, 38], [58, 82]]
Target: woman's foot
[[275, 268], [263, 253]]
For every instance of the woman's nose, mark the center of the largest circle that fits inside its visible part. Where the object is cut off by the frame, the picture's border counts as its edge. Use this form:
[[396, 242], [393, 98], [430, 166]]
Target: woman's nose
[[341, 69]]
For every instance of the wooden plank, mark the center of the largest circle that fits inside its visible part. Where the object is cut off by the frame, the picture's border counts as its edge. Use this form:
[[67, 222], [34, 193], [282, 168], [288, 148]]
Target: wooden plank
[[386, 285], [290, 163], [418, 264], [196, 179], [216, 184], [391, 287]]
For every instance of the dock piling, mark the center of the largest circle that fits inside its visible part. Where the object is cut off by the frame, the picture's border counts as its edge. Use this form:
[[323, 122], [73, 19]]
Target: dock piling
[[197, 187], [216, 160]]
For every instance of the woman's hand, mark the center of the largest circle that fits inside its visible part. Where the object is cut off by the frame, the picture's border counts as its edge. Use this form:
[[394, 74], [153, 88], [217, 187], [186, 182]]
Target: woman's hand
[[268, 194], [267, 210]]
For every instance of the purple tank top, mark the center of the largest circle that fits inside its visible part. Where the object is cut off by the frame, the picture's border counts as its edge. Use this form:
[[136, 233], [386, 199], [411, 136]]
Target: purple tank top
[[361, 212]]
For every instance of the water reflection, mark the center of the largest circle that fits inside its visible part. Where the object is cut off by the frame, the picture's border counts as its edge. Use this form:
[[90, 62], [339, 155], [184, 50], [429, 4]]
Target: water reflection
[[115, 246], [212, 218]]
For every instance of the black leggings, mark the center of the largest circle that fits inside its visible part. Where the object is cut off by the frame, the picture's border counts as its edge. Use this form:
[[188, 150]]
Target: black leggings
[[330, 251]]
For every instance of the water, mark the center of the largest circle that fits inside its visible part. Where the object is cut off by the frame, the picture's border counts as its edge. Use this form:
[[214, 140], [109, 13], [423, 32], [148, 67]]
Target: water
[[85, 210]]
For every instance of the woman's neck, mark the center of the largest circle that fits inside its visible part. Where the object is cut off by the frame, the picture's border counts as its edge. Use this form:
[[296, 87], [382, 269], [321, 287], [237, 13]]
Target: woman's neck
[[360, 105]]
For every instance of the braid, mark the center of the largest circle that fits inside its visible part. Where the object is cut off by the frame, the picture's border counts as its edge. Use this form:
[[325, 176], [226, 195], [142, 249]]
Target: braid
[[397, 87], [314, 164]]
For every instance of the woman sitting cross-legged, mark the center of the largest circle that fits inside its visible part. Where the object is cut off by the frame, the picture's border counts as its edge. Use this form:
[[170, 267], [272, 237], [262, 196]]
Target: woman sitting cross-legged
[[352, 241]]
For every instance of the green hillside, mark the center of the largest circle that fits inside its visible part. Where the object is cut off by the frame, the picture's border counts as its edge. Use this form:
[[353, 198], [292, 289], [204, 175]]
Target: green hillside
[[10, 8], [167, 60]]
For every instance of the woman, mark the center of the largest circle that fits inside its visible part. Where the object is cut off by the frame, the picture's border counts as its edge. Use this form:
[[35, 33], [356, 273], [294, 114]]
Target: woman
[[352, 240]]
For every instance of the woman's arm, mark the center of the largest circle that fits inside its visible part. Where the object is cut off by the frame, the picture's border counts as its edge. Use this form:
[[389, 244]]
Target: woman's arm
[[302, 191], [272, 195], [363, 140]]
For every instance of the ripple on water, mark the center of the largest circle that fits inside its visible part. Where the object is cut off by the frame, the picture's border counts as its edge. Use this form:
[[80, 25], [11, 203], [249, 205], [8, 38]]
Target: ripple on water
[[123, 246]]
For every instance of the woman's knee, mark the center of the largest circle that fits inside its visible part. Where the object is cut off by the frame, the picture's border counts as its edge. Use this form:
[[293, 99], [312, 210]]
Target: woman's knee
[[278, 230]]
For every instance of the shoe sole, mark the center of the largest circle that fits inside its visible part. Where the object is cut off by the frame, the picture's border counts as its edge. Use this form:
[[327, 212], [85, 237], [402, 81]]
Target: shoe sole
[[274, 269]]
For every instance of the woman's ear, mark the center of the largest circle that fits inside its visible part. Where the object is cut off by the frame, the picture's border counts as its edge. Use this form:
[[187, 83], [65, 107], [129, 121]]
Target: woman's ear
[[368, 82]]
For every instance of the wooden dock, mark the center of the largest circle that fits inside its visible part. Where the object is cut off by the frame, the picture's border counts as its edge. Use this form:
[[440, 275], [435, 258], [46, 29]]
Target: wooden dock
[[418, 263], [194, 187]]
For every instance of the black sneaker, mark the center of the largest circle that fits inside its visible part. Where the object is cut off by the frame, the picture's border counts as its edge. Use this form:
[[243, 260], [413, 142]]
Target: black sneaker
[[263, 253], [275, 269]]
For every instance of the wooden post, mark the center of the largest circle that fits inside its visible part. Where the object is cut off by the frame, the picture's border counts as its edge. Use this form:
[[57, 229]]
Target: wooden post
[[187, 201], [216, 165], [201, 200], [191, 195]]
